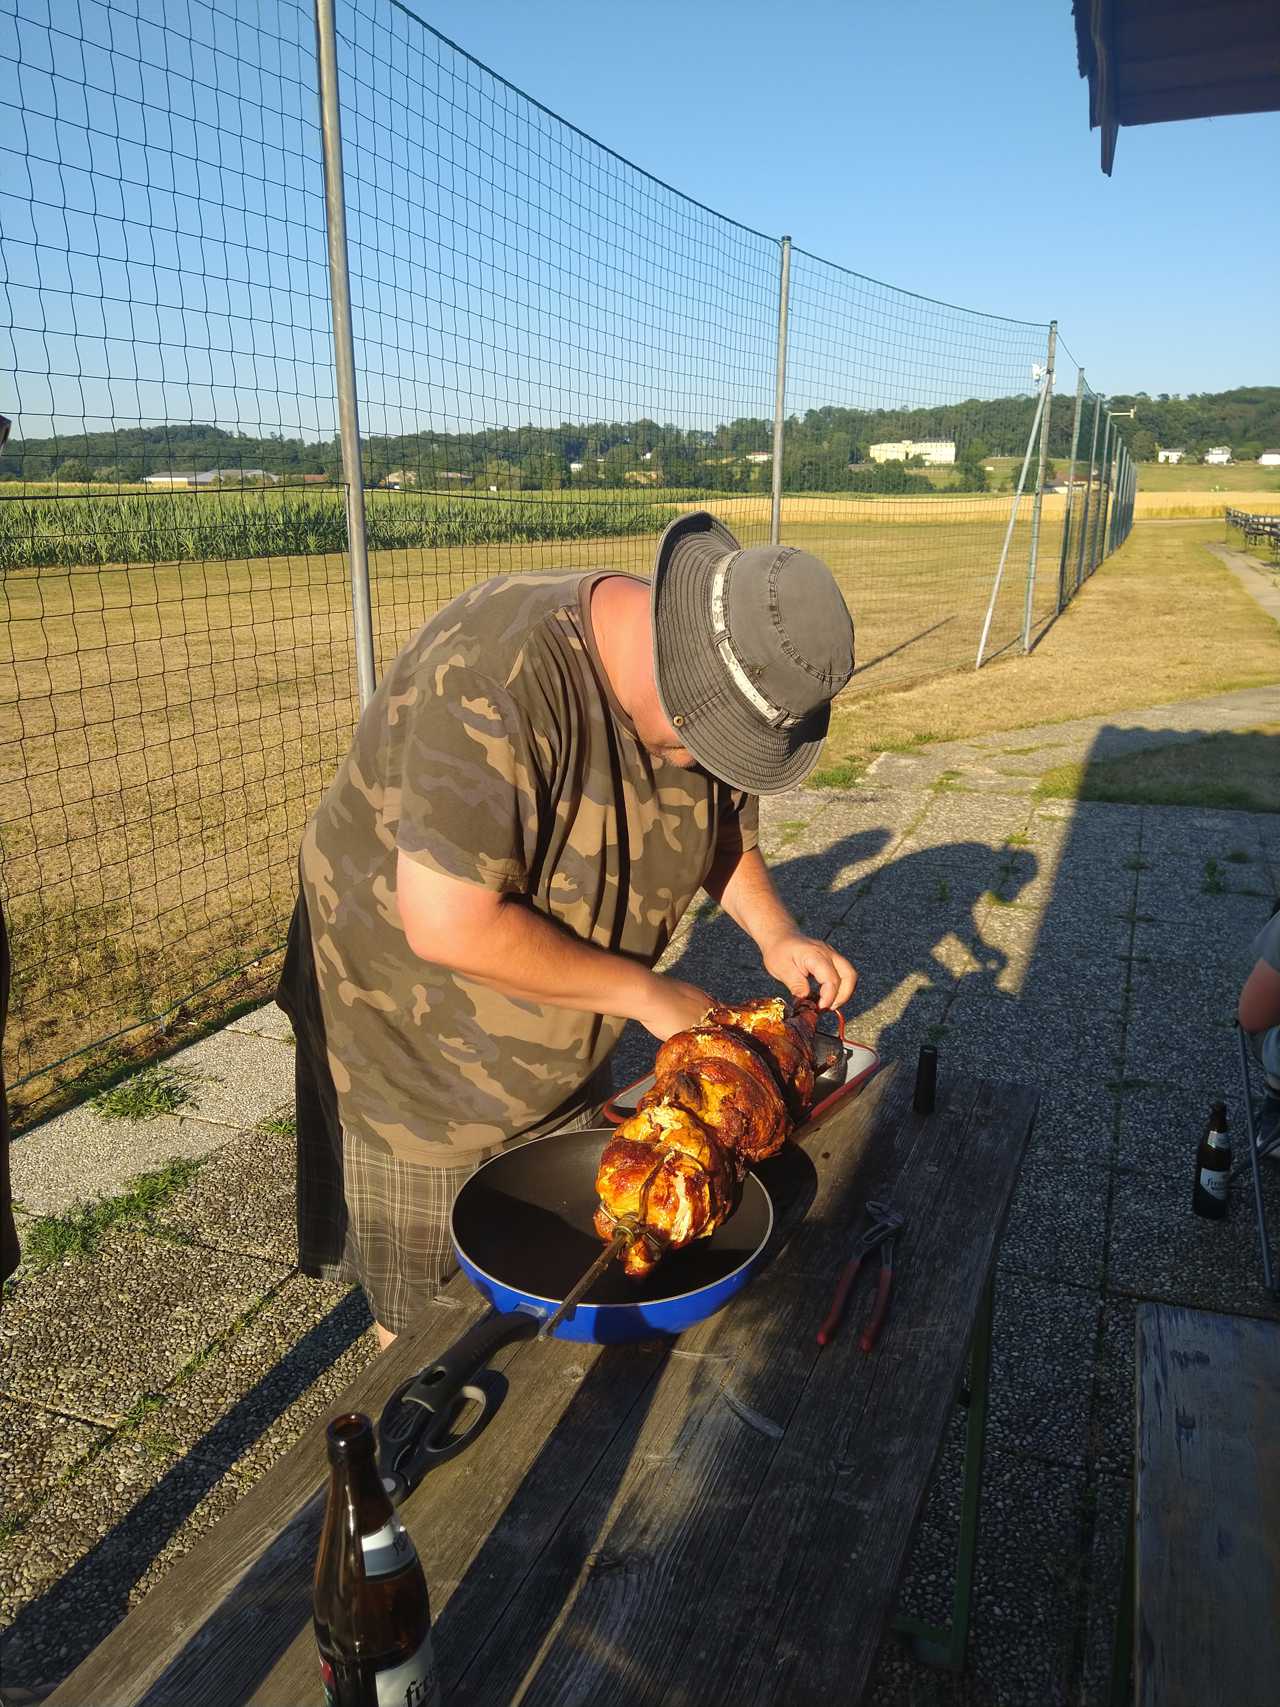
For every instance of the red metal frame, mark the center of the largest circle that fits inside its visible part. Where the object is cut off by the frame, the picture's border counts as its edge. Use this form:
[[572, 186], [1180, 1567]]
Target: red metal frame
[[615, 1115]]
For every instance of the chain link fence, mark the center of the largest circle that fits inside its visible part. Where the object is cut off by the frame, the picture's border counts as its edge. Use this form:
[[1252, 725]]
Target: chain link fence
[[554, 354]]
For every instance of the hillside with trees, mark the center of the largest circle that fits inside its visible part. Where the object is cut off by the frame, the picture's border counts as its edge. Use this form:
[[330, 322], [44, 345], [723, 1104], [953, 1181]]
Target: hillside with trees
[[826, 449]]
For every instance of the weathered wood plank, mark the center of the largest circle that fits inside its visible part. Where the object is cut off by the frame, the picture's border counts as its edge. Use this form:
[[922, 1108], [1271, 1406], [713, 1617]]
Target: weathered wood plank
[[1207, 1509]]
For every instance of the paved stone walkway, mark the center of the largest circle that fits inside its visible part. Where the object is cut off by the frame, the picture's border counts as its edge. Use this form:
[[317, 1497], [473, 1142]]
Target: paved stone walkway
[[1084, 948]]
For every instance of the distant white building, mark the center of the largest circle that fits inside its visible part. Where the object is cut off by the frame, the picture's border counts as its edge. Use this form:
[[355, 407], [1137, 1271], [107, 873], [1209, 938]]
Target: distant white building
[[935, 453], [1218, 455], [1170, 455], [575, 468], [759, 456], [212, 477], [1269, 459]]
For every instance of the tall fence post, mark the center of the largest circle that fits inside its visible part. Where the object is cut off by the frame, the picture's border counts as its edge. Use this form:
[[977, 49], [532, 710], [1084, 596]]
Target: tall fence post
[[1038, 503], [1086, 515], [1100, 514], [1008, 532], [780, 389], [1071, 488], [335, 207]]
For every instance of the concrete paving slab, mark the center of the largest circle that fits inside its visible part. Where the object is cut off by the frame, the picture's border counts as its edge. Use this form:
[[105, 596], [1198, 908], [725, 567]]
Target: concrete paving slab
[[1038, 1040], [1160, 1129], [94, 1336], [1181, 1027], [80, 1156], [1174, 888], [1106, 1570], [1159, 1249], [1199, 832], [1074, 980], [244, 1201], [37, 1449], [266, 1021], [1219, 937], [226, 1409], [1042, 1359], [1111, 1428], [239, 1077], [1027, 1577], [87, 1555], [1057, 1221], [1076, 920], [1075, 1122]]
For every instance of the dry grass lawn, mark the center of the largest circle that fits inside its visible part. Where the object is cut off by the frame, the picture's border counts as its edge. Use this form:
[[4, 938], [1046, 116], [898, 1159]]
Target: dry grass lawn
[[1163, 620], [1239, 769]]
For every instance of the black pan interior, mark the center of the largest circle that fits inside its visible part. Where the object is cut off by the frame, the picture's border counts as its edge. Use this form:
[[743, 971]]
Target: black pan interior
[[525, 1218]]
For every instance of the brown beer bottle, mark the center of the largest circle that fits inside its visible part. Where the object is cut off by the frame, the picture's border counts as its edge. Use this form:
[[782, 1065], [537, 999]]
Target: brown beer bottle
[[372, 1618], [1213, 1168]]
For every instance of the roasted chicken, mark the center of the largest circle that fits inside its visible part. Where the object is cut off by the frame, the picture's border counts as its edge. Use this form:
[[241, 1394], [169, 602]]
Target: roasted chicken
[[725, 1094]]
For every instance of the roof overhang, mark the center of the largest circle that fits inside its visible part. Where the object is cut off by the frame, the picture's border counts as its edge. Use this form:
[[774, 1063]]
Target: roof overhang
[[1149, 61]]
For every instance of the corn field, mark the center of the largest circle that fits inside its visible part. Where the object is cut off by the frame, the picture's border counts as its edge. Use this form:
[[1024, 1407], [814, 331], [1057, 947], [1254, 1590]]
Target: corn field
[[74, 532]]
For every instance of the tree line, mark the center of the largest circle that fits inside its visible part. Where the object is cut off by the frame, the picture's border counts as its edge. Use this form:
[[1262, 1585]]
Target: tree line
[[825, 449]]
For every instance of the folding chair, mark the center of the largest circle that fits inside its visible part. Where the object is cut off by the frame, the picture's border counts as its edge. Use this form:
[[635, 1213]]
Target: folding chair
[[1255, 1155]]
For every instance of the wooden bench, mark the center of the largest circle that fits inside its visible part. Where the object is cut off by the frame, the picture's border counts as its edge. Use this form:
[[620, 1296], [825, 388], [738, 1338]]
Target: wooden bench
[[723, 1517], [1201, 1618]]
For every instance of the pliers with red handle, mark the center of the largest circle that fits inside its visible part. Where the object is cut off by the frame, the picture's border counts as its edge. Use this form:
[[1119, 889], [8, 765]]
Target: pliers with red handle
[[886, 1222]]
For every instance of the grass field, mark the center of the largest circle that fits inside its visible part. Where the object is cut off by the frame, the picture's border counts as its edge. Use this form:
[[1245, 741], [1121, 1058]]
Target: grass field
[[1238, 769], [165, 729], [1162, 620]]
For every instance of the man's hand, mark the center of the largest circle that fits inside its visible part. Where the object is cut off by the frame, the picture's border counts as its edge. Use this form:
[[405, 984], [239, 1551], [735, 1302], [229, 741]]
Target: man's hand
[[672, 1006], [793, 959]]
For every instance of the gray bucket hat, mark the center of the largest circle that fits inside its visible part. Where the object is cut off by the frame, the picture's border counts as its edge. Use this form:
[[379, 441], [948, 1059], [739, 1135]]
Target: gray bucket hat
[[750, 648]]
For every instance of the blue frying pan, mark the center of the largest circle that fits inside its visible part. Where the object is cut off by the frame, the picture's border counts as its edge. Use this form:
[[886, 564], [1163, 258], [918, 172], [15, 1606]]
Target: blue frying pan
[[522, 1229]]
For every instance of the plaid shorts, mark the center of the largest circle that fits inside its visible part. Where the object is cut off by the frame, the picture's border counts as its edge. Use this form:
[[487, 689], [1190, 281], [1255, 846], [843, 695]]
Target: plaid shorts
[[397, 1241]]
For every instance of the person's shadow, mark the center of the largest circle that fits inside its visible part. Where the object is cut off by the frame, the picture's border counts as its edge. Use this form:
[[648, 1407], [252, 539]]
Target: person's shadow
[[910, 922]]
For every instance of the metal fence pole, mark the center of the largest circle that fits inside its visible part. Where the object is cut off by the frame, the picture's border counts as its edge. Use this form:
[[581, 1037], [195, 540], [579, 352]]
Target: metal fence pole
[[1038, 502], [1100, 514], [1086, 515], [780, 390], [344, 347], [1071, 487], [1008, 532]]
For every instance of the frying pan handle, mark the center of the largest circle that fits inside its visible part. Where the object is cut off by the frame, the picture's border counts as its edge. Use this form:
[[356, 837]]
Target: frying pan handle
[[414, 1428]]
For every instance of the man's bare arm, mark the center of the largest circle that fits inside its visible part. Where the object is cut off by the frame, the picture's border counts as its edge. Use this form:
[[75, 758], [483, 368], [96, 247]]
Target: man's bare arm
[[740, 882], [1260, 999], [498, 940]]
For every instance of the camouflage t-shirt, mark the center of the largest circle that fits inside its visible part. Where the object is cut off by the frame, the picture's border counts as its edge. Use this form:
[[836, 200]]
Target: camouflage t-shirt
[[495, 753]]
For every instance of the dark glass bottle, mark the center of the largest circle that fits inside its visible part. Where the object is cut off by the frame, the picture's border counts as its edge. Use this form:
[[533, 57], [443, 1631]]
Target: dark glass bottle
[[1213, 1168], [372, 1617]]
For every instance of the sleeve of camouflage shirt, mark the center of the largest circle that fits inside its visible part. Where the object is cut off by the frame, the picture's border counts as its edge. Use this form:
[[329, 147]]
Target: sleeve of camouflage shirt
[[471, 784], [739, 822]]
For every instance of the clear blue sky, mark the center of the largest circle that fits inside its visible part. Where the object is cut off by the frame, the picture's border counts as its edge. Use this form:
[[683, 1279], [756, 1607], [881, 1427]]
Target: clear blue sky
[[942, 147], [162, 238]]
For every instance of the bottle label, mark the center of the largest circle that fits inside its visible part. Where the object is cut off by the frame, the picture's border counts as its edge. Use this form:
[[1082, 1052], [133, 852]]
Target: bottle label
[[1214, 1182], [414, 1683], [1217, 1140], [388, 1549]]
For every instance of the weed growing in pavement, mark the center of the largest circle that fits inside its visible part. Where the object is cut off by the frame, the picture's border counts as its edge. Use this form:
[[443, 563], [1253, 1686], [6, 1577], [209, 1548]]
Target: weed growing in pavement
[[1213, 884], [996, 900], [52, 1239], [945, 781], [1136, 863], [846, 774], [159, 1089], [282, 1124], [943, 891], [1019, 839], [1238, 856]]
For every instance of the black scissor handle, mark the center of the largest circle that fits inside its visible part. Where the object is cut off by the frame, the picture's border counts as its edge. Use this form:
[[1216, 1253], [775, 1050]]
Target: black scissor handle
[[415, 1428]]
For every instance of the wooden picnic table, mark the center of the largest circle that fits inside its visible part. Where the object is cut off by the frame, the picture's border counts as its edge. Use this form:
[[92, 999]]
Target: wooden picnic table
[[722, 1517]]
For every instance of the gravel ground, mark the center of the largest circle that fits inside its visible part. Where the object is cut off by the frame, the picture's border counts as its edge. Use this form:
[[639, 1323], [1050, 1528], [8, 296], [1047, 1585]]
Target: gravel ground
[[146, 1385]]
